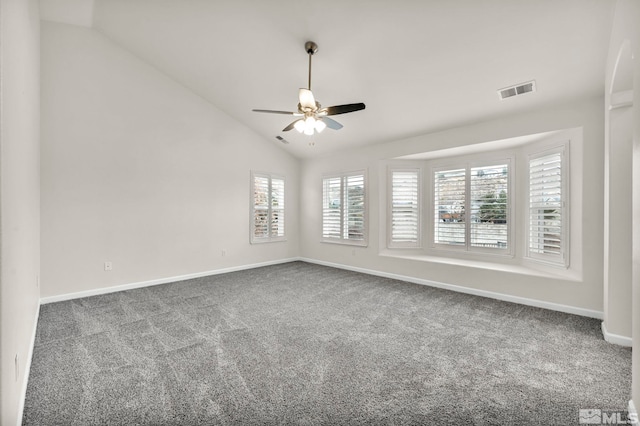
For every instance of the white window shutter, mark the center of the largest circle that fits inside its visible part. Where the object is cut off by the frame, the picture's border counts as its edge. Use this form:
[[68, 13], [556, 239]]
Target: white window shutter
[[489, 220], [344, 209], [267, 208], [332, 208], [260, 206], [405, 208], [354, 208], [471, 207], [546, 207], [277, 207], [449, 189]]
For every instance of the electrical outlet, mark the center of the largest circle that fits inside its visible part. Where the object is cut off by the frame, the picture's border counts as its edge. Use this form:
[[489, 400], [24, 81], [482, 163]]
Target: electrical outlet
[[224, 252], [108, 266], [17, 367]]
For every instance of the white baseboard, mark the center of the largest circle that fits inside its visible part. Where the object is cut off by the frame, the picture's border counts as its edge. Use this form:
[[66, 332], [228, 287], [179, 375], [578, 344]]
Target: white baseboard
[[130, 286], [27, 368], [460, 289], [477, 292], [616, 339]]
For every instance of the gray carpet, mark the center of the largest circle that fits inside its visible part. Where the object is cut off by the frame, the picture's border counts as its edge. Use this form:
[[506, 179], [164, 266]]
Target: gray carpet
[[306, 344]]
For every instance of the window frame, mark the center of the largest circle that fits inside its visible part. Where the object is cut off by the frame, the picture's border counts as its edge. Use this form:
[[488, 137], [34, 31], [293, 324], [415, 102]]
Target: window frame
[[420, 195], [269, 238], [489, 160], [364, 242], [561, 260]]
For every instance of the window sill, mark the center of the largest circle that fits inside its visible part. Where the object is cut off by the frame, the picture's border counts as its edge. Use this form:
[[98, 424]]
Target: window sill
[[491, 253], [269, 240], [524, 268], [347, 242]]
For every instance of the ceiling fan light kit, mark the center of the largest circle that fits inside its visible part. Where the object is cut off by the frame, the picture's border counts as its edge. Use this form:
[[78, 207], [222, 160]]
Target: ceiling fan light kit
[[313, 118]]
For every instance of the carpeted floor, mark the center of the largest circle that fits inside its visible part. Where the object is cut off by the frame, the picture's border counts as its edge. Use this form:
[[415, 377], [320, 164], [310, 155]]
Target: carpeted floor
[[306, 344]]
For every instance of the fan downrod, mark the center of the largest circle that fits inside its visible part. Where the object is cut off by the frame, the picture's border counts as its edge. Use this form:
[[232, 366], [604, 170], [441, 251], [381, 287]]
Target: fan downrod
[[311, 48]]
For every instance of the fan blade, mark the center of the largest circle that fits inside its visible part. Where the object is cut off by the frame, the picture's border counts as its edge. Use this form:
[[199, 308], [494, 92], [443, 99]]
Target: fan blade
[[270, 111], [306, 99], [343, 109], [290, 126], [331, 123]]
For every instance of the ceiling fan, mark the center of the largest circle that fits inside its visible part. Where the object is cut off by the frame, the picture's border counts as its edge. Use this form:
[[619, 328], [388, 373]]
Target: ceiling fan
[[313, 117]]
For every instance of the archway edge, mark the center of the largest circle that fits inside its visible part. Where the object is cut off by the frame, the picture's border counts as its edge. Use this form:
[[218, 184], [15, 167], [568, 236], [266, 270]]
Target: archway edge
[[622, 80]]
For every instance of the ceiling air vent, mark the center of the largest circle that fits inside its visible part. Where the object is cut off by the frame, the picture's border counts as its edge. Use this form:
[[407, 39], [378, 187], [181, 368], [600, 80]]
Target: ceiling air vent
[[283, 140], [520, 89]]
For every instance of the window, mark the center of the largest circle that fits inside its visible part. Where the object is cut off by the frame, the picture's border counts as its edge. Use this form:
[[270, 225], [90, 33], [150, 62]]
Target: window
[[547, 212], [471, 208], [404, 214], [344, 208], [267, 208], [449, 201], [489, 206], [492, 202]]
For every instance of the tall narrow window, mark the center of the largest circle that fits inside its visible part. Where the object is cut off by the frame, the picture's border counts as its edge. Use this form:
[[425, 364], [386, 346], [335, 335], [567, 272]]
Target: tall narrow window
[[489, 225], [267, 208], [344, 208], [353, 225], [405, 208], [449, 199], [276, 229], [471, 207], [547, 213]]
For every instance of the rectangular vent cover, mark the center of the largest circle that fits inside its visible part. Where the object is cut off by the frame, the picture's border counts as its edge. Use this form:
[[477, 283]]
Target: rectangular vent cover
[[520, 89]]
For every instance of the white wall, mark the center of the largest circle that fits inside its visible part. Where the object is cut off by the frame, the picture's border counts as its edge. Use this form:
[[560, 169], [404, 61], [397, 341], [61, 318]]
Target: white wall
[[139, 171], [580, 287], [75, 12], [625, 30], [19, 197]]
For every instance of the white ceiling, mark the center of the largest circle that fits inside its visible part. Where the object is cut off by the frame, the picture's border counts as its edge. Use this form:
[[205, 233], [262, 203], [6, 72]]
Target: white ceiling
[[418, 65]]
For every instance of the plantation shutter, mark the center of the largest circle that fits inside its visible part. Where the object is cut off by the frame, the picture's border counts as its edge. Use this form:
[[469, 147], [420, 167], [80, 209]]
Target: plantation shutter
[[344, 208], [353, 225], [405, 208], [277, 207], [332, 207], [489, 208], [546, 207], [449, 207], [260, 206], [267, 208]]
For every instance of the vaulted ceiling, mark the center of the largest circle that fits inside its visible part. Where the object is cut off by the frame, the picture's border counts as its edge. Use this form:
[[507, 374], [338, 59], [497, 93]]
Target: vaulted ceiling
[[419, 66]]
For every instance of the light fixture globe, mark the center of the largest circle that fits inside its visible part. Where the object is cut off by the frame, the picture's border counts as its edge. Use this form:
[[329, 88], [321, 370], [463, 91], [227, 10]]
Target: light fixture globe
[[299, 125], [309, 125]]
